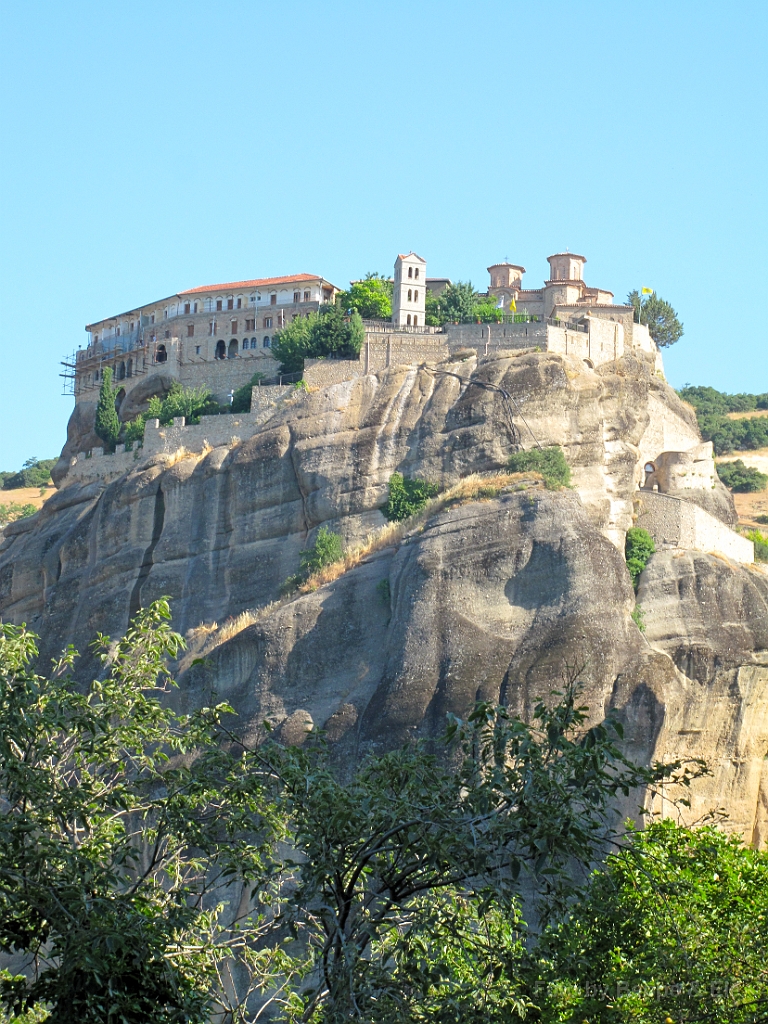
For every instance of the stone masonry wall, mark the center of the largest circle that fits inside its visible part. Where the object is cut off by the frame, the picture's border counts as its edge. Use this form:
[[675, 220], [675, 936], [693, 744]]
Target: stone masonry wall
[[675, 523]]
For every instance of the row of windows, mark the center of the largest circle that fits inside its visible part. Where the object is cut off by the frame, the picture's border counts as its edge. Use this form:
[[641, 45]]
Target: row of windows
[[414, 323], [413, 296], [222, 352], [413, 271]]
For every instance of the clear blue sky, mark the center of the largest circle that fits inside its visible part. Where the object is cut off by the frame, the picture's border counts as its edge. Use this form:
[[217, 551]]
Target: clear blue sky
[[154, 146]]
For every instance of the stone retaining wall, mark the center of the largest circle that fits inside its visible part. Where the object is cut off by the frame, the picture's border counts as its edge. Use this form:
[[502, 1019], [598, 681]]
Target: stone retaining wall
[[676, 523]]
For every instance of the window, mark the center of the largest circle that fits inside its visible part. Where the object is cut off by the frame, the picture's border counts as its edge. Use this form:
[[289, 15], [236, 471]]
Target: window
[[409, 320], [239, 303], [410, 271], [266, 342], [218, 305], [250, 325], [306, 296], [212, 328], [416, 295], [233, 326], [415, 271], [230, 303], [253, 300], [273, 299], [232, 349], [190, 330], [221, 350], [245, 344], [162, 355], [131, 326], [295, 316], [195, 309], [186, 307], [117, 332], [415, 321], [197, 350], [297, 296], [129, 368], [96, 339], [165, 314], [410, 295], [152, 318], [267, 321], [254, 342]]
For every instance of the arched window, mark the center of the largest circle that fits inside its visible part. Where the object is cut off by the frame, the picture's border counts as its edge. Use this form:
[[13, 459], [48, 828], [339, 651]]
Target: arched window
[[120, 371], [415, 271], [409, 321], [245, 344], [232, 348], [410, 271], [265, 343], [221, 350], [416, 295], [415, 321], [254, 342], [410, 295], [129, 368], [162, 355]]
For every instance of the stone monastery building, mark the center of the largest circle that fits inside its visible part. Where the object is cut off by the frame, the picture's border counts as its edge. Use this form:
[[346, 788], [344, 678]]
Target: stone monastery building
[[221, 334]]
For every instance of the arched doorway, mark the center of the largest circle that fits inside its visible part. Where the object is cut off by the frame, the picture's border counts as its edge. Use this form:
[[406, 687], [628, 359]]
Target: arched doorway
[[162, 355], [221, 350], [129, 368], [233, 348]]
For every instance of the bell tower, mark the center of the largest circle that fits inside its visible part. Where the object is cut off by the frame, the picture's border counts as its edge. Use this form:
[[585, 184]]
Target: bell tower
[[409, 288]]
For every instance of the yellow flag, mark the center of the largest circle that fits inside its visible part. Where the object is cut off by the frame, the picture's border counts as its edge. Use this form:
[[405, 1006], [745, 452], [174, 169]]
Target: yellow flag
[[647, 291], [513, 305]]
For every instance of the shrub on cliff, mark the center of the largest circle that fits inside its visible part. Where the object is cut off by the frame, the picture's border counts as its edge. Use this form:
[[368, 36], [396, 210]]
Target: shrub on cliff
[[107, 424], [740, 478], [550, 462], [407, 496], [189, 402], [15, 510], [638, 548]]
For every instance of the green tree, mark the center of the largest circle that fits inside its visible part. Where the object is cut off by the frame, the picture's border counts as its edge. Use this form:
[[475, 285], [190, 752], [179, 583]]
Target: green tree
[[107, 424], [293, 343], [371, 297], [326, 549], [663, 324], [638, 548], [241, 399], [34, 473], [675, 927], [457, 302], [549, 461], [394, 864], [336, 334], [487, 312], [433, 309], [15, 510], [125, 830], [407, 496], [189, 402], [741, 478]]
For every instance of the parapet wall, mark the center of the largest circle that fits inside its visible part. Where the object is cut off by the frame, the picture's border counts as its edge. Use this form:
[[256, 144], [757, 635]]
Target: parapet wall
[[676, 523]]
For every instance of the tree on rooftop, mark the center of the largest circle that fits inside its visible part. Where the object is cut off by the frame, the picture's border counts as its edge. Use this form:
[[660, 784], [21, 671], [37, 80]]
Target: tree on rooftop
[[107, 423], [659, 316]]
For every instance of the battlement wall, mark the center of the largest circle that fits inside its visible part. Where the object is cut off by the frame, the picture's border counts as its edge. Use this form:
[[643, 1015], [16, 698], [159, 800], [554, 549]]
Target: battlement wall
[[159, 439]]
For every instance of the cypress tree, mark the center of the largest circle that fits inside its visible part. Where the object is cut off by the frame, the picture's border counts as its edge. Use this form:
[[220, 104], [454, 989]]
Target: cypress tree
[[107, 424]]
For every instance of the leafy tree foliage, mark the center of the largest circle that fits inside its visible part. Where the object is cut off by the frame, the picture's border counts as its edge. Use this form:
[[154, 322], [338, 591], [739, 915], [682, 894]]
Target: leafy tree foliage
[[712, 408], [663, 324], [413, 853], [760, 541], [740, 478], [327, 333], [241, 399], [325, 550], [34, 473], [457, 303], [638, 548], [407, 496], [371, 297], [106, 424], [674, 928], [124, 826], [189, 402], [15, 510], [549, 461], [487, 312]]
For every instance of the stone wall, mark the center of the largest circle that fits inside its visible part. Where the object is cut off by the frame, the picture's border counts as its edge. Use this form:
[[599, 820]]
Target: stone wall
[[496, 336], [671, 428], [324, 372], [210, 432], [675, 523]]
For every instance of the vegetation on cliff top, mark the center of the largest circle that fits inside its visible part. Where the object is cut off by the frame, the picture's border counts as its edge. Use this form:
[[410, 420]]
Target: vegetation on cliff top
[[329, 332], [388, 892], [549, 462], [659, 316]]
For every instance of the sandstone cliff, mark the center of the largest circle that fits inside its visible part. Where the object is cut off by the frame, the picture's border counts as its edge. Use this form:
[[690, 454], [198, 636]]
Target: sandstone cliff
[[493, 597]]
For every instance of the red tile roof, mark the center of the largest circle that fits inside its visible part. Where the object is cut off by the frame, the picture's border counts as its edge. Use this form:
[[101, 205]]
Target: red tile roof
[[259, 282]]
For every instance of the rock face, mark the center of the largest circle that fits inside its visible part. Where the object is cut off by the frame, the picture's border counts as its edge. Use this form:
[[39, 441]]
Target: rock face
[[495, 597]]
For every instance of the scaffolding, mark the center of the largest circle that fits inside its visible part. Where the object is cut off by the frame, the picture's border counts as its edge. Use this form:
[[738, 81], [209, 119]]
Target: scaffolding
[[129, 356]]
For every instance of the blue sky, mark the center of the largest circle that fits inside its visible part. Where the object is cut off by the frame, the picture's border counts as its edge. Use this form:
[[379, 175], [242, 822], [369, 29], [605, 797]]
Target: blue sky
[[155, 146]]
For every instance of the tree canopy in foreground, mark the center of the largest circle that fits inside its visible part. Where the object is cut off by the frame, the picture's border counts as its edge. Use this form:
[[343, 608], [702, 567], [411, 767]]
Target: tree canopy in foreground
[[153, 866]]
